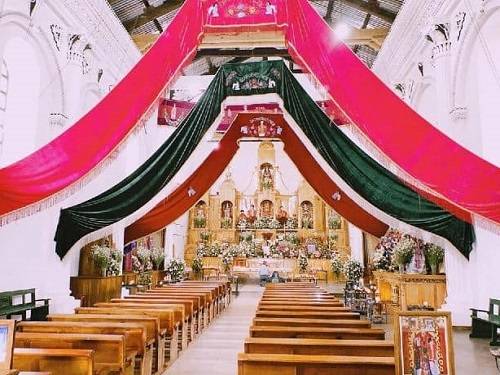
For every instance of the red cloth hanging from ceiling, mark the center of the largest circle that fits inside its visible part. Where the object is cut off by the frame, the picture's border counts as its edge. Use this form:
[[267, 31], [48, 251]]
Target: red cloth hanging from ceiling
[[183, 198]]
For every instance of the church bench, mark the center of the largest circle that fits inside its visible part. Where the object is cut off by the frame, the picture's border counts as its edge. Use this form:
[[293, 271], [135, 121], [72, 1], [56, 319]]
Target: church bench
[[198, 305], [298, 322], [110, 354], [19, 302], [55, 361], [211, 292], [293, 307], [179, 316], [369, 348], [290, 364], [302, 303], [191, 308], [224, 288], [168, 344], [318, 332], [206, 299], [134, 334], [155, 335], [185, 330], [306, 314], [487, 326]]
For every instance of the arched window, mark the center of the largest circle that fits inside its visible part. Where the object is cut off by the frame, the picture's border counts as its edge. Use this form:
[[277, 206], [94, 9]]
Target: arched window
[[4, 88]]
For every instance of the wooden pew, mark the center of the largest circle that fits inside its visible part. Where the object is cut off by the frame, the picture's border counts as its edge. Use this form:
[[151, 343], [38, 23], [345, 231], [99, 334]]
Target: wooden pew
[[290, 364], [302, 303], [318, 332], [298, 322], [110, 354], [369, 348], [293, 307], [306, 314], [205, 297], [225, 285], [55, 361], [169, 347], [211, 293], [155, 335], [198, 306], [185, 323], [134, 334]]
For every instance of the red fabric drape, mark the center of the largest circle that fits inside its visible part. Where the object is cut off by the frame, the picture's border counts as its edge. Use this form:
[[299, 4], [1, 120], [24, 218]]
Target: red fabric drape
[[78, 150], [400, 133], [205, 176]]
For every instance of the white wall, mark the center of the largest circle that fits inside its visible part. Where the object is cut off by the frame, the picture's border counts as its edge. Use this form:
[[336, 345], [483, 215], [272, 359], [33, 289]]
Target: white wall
[[45, 78], [459, 93]]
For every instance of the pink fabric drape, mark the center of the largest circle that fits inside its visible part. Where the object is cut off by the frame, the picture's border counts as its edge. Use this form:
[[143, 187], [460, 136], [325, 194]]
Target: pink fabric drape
[[402, 135], [73, 154]]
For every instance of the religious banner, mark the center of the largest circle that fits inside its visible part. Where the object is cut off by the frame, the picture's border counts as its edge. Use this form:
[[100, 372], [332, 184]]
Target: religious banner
[[172, 112], [364, 175], [423, 343]]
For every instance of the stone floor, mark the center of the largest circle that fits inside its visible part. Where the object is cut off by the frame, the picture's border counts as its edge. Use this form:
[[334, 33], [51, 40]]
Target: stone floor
[[215, 351]]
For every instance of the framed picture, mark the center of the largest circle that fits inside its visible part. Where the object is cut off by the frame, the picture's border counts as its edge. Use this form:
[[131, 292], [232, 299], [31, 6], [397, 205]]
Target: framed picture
[[423, 343], [7, 328]]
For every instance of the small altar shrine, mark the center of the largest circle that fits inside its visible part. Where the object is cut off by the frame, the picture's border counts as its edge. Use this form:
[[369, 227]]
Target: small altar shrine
[[403, 292]]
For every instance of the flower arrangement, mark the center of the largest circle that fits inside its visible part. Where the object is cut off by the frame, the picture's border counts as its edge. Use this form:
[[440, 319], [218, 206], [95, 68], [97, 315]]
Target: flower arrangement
[[144, 256], [353, 270], [197, 265], [434, 255], [101, 255], [332, 240], [382, 260], [303, 263], [403, 251], [274, 224], [266, 184], [226, 223], [334, 222], [263, 222], [136, 264], [307, 222], [175, 269], [337, 264], [157, 257], [200, 222], [144, 278], [246, 236], [292, 223], [115, 266]]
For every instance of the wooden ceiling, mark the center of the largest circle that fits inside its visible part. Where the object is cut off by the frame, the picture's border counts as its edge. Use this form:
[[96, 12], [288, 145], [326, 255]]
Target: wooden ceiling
[[369, 21]]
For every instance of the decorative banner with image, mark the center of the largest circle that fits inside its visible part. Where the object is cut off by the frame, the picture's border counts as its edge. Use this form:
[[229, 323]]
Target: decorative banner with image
[[423, 343]]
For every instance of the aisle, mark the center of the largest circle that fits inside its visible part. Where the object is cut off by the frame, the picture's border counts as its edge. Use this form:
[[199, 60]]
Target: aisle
[[215, 351]]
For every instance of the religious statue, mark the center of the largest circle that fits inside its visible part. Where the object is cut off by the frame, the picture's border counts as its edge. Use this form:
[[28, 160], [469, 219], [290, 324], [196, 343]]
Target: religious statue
[[266, 176], [251, 214], [266, 208], [200, 216], [417, 264], [213, 10], [242, 218], [307, 215], [270, 8], [282, 215], [227, 215]]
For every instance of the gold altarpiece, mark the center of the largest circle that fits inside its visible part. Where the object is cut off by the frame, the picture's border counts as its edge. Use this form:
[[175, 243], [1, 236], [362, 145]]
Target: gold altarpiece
[[219, 214]]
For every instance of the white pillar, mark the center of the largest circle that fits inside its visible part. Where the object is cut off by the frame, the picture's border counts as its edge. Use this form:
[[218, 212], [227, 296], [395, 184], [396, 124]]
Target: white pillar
[[356, 243]]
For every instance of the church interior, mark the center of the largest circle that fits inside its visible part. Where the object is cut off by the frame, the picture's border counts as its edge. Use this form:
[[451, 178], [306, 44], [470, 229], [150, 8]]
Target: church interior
[[240, 187]]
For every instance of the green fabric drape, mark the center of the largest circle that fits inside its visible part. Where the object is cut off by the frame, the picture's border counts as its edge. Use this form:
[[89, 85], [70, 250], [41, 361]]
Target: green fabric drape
[[374, 183]]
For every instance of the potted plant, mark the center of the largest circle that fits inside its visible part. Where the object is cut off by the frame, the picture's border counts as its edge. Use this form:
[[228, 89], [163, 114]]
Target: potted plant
[[199, 222], [403, 252], [101, 255], [197, 266], [353, 271], [227, 260], [434, 255]]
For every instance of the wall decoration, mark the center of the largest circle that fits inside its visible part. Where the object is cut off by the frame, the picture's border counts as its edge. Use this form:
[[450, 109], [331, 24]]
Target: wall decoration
[[423, 343]]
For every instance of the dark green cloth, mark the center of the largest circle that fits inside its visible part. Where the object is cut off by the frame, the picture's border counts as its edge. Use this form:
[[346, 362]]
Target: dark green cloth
[[377, 185]]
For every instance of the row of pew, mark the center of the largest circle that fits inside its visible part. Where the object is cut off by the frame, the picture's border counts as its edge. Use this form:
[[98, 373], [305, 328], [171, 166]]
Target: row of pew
[[140, 334], [300, 328]]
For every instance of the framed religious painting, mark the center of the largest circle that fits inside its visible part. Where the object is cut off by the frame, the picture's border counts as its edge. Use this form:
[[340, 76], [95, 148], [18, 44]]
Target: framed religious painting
[[7, 328], [423, 343]]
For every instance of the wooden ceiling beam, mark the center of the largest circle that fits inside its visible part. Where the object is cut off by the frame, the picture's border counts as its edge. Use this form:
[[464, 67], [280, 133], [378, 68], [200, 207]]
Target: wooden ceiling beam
[[151, 13]]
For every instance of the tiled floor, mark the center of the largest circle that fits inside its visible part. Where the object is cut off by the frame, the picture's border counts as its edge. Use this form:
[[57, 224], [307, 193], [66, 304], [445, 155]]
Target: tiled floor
[[215, 351]]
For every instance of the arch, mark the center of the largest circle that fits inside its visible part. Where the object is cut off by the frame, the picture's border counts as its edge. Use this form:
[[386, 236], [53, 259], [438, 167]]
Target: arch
[[51, 92], [477, 91], [200, 215]]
